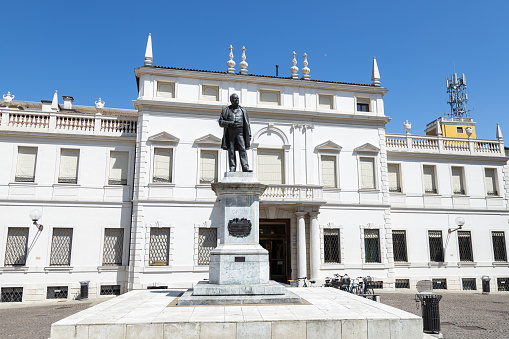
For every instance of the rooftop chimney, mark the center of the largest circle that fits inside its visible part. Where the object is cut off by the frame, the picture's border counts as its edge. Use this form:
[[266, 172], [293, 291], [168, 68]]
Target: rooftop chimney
[[67, 101]]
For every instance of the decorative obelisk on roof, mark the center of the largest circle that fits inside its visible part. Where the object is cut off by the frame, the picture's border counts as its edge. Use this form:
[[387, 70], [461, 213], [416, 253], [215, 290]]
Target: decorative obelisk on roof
[[243, 64], [54, 103], [499, 132], [149, 59], [294, 69], [305, 69], [375, 74], [231, 63]]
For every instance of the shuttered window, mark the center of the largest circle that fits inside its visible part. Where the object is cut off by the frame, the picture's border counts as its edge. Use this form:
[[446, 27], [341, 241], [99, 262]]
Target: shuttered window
[[25, 169], [208, 167], [162, 165], [367, 173], [429, 179], [329, 174], [118, 168], [394, 181], [61, 243], [69, 159], [270, 166], [490, 181], [457, 180]]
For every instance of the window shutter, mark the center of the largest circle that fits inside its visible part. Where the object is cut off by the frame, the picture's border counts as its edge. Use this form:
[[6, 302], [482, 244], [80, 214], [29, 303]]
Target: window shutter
[[25, 171], [69, 166], [208, 166], [393, 174], [429, 179], [118, 168], [457, 180], [162, 165], [329, 171], [489, 179], [270, 166], [367, 173]]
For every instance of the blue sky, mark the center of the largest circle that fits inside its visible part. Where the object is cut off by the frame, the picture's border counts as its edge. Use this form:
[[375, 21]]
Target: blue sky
[[89, 49]]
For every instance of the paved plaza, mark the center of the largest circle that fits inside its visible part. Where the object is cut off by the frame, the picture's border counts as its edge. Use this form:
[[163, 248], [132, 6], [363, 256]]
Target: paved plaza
[[463, 315]]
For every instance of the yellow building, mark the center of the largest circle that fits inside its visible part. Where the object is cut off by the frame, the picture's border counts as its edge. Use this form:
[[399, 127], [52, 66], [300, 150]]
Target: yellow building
[[452, 127]]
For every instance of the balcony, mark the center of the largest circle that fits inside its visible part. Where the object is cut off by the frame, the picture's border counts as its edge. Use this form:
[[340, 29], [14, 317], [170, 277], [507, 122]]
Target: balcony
[[293, 194], [442, 145]]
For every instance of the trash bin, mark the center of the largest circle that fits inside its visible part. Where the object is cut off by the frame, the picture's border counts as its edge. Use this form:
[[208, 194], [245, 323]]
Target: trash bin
[[84, 289], [430, 312], [485, 284]]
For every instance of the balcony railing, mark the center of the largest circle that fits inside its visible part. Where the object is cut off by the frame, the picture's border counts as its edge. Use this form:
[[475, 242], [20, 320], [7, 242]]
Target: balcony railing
[[68, 123], [443, 145], [293, 193]]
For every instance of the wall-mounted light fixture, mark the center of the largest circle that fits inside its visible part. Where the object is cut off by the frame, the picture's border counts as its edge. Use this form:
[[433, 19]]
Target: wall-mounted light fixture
[[460, 221], [36, 215]]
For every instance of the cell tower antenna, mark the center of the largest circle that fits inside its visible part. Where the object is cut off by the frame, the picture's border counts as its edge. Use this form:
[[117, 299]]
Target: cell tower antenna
[[456, 88]]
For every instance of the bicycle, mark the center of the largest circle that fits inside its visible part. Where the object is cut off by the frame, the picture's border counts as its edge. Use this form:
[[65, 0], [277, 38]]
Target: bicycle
[[304, 279]]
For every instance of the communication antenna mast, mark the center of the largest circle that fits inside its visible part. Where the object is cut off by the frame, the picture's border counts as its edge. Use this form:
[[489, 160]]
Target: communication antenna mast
[[457, 97]]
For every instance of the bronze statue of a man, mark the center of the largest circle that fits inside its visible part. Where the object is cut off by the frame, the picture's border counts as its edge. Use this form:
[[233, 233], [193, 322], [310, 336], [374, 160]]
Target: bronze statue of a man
[[237, 133]]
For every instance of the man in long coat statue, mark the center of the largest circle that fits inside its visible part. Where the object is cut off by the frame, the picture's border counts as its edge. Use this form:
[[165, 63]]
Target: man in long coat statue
[[237, 133]]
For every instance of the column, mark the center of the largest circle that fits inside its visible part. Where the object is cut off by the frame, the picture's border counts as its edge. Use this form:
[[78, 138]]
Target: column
[[314, 246], [301, 245]]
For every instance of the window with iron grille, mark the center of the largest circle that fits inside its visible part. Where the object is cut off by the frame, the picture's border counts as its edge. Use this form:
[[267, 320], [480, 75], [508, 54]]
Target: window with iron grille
[[331, 246], [110, 290], [56, 292], [503, 284], [399, 245], [436, 248], [207, 241], [499, 249], [439, 284], [159, 246], [469, 284], [402, 283], [12, 294], [379, 285], [465, 246], [16, 248], [394, 181], [113, 246], [61, 244], [372, 245]]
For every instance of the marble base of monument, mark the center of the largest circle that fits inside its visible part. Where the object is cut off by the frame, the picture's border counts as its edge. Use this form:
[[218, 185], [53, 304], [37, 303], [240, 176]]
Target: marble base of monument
[[271, 288], [189, 298]]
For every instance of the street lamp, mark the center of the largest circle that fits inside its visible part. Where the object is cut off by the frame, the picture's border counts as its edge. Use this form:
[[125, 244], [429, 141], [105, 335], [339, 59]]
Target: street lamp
[[35, 215], [460, 221]]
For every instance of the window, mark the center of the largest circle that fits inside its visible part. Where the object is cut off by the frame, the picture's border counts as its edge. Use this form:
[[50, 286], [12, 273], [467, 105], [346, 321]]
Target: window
[[394, 181], [270, 166], [25, 169], [165, 89], [436, 248], [399, 245], [367, 173], [499, 249], [207, 241], [210, 93], [159, 246], [439, 284], [325, 101], [469, 284], [331, 246], [110, 290], [57, 292], [458, 186], [363, 104], [61, 243], [503, 284], [402, 283], [430, 186], [118, 168], [69, 159], [12, 294], [329, 173], [372, 245], [208, 167], [16, 248], [459, 130], [270, 97], [490, 181], [113, 246], [162, 165], [465, 246]]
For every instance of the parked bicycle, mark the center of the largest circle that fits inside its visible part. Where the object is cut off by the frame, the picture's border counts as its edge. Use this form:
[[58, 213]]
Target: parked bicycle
[[305, 281]]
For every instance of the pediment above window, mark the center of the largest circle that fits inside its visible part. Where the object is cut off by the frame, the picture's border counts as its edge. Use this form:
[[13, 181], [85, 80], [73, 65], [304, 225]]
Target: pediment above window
[[164, 138], [328, 146], [208, 139], [367, 147]]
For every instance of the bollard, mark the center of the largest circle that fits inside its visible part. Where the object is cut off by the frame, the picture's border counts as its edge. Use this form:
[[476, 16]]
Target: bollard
[[485, 284], [430, 312], [84, 290]]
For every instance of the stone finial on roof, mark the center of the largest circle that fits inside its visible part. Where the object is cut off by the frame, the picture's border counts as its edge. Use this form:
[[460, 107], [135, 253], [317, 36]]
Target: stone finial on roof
[[243, 64], [149, 59], [305, 69], [8, 99], [499, 132], [231, 63], [54, 103], [99, 105], [294, 69], [375, 74], [407, 126]]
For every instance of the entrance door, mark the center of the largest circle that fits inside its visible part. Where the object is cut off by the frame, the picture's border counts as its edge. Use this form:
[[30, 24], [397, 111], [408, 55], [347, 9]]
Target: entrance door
[[273, 237]]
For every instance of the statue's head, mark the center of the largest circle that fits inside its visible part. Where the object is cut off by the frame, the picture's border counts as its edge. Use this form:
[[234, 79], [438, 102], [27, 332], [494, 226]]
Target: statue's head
[[234, 99]]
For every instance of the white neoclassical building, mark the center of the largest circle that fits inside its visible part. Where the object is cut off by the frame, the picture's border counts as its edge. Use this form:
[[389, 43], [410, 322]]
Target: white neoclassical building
[[126, 200]]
